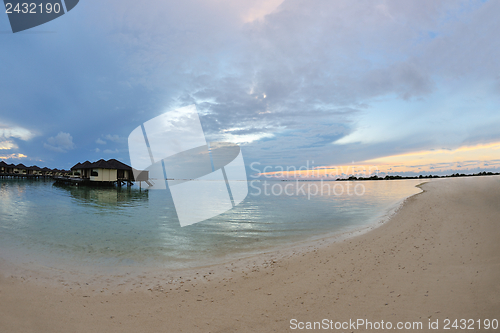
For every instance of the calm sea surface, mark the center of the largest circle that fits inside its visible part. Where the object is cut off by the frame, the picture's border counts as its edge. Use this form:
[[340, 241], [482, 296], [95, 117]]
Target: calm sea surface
[[56, 225]]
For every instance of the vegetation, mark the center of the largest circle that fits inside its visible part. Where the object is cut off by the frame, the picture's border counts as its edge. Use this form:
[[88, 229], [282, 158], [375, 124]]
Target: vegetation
[[389, 177]]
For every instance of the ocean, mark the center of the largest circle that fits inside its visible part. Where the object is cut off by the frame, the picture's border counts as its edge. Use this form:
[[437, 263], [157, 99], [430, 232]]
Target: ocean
[[54, 226]]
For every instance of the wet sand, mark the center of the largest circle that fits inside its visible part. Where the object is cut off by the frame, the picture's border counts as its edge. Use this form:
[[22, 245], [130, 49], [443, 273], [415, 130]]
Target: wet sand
[[437, 258]]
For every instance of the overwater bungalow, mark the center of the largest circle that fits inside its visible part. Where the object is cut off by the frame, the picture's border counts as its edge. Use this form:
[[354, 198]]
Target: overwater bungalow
[[81, 170], [57, 172], [20, 169], [46, 171], [34, 170], [10, 168], [3, 167], [102, 171]]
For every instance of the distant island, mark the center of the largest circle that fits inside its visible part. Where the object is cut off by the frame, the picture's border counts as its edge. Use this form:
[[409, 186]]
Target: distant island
[[392, 177], [388, 177]]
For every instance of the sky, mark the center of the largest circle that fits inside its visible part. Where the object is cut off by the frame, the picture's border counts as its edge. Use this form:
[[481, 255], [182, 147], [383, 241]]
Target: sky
[[403, 87]]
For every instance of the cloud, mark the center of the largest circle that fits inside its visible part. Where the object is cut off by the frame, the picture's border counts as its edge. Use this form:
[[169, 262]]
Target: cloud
[[9, 135], [114, 138], [7, 132], [15, 156], [7, 145], [443, 160], [283, 78], [61, 143], [297, 66], [109, 151]]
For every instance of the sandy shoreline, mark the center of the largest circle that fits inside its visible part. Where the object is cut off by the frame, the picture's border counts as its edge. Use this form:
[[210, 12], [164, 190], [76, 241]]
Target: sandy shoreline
[[437, 258]]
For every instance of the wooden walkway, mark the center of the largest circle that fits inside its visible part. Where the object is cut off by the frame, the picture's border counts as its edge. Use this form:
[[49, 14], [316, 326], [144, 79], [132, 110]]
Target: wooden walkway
[[70, 181], [79, 181]]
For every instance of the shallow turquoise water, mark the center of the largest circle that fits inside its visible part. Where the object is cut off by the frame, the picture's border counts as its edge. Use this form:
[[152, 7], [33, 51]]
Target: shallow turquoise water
[[60, 225]]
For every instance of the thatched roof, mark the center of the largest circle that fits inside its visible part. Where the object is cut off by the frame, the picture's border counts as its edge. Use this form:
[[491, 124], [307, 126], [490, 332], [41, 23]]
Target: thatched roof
[[86, 164], [77, 166], [102, 164], [5, 165]]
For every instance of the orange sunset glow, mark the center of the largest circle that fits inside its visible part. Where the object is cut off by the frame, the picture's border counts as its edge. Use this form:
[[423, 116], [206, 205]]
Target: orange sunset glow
[[465, 158]]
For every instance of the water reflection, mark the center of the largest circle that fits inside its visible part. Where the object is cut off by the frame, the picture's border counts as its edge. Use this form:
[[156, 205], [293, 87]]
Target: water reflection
[[105, 196]]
